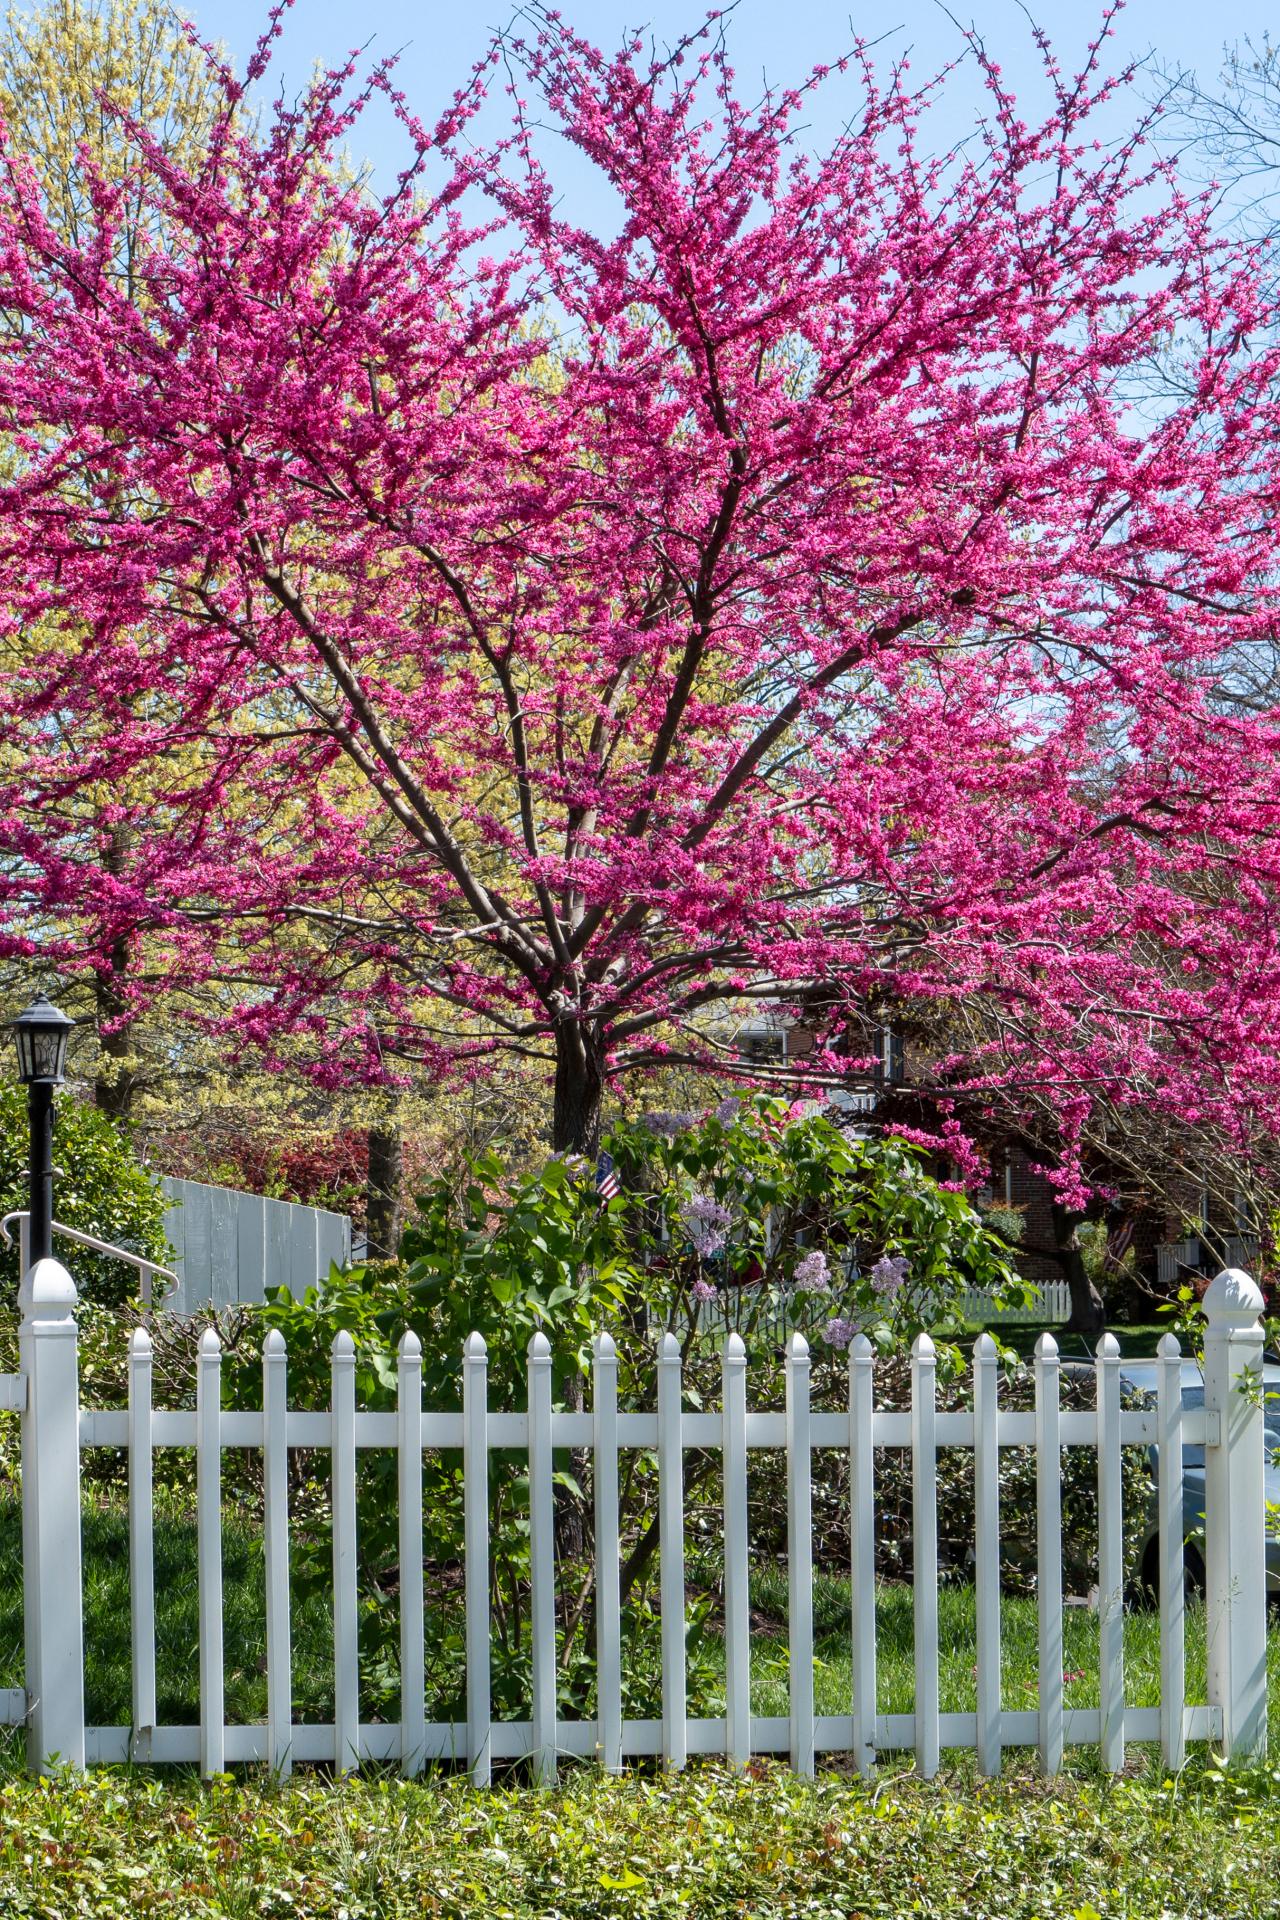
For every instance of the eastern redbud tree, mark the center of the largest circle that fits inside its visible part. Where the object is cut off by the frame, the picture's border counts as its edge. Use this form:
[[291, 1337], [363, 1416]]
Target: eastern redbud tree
[[486, 633]]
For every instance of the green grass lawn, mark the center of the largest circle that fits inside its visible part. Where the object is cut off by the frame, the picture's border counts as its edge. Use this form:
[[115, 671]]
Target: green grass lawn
[[1136, 1342], [957, 1635], [108, 1642]]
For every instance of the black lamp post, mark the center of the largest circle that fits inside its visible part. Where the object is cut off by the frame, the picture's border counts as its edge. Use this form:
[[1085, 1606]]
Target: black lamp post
[[40, 1035]]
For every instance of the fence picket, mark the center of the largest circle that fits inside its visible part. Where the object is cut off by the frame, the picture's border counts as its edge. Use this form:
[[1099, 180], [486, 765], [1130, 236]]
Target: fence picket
[[346, 1619], [737, 1609], [924, 1550], [1049, 1552], [209, 1550], [142, 1576], [542, 1547], [475, 1534], [986, 1548], [275, 1473], [1172, 1586], [800, 1554], [862, 1540], [1110, 1556], [413, 1718], [671, 1552], [604, 1368]]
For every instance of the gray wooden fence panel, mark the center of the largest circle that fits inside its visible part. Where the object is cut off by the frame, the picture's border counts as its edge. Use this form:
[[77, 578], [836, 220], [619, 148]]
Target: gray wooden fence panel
[[231, 1248]]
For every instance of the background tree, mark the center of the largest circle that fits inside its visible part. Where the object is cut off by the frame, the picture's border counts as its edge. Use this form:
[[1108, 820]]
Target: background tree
[[75, 76], [778, 598]]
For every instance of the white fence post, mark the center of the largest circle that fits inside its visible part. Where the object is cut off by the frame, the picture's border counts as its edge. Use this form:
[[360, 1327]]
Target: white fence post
[[737, 1562], [142, 1572], [671, 1552], [475, 1535], [604, 1369], [542, 1562], [1235, 1513], [52, 1588], [209, 1553]]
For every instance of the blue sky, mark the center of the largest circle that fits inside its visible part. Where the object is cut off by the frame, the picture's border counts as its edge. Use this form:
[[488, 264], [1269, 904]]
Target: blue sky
[[774, 39]]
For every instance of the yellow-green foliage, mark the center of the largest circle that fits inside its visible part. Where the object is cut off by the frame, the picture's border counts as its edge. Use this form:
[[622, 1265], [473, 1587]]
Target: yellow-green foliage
[[60, 65]]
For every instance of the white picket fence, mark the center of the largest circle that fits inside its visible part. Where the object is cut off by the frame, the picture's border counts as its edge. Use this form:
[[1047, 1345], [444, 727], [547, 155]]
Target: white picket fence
[[1051, 1301], [56, 1428], [739, 1310]]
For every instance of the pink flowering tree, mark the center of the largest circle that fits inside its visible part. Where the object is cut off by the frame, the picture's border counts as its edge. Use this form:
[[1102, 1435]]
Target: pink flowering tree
[[490, 634]]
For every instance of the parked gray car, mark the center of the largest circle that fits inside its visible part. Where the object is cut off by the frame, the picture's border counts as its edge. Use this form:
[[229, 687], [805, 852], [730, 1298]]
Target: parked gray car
[[1141, 1376]]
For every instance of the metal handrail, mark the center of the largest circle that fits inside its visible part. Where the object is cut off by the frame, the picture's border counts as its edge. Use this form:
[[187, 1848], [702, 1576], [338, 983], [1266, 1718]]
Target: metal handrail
[[145, 1267]]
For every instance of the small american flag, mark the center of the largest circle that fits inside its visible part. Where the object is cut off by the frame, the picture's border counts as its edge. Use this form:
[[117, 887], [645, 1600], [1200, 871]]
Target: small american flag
[[608, 1185]]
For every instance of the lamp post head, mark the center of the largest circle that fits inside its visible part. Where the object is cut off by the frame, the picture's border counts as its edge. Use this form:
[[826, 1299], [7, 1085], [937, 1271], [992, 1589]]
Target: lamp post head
[[40, 1035]]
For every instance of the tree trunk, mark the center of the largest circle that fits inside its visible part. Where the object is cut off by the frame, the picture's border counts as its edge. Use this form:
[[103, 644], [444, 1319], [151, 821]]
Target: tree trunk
[[1087, 1314], [386, 1171], [114, 1082], [575, 1128], [579, 1089]]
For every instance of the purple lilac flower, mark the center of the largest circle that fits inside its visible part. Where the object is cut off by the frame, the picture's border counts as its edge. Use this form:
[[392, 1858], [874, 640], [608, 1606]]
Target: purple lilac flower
[[702, 1290], [727, 1111], [838, 1332], [889, 1272], [707, 1224], [812, 1275], [667, 1125]]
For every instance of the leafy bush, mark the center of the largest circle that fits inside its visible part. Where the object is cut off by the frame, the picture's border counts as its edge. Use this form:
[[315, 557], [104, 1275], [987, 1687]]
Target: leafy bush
[[731, 1207], [955, 1492], [101, 1189]]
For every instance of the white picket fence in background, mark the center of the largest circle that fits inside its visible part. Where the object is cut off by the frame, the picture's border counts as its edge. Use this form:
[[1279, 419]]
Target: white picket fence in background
[[56, 1428], [1051, 1301], [739, 1310]]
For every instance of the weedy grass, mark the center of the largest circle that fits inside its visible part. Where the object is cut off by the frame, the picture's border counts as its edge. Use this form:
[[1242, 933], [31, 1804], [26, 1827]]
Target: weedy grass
[[702, 1844]]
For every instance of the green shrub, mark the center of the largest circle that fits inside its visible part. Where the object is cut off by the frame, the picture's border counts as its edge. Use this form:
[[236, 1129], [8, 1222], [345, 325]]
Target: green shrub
[[101, 1189], [507, 1256]]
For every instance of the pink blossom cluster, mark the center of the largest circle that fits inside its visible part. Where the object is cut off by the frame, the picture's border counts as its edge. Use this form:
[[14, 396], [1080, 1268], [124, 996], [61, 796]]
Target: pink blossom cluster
[[431, 628]]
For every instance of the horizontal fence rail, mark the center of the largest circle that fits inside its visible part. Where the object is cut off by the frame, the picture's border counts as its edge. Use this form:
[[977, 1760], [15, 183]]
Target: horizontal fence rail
[[1228, 1427]]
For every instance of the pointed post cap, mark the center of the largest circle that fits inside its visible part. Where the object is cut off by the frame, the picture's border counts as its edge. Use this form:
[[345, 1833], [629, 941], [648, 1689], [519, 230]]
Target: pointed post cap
[[410, 1347], [735, 1351], [1233, 1299], [1047, 1350], [474, 1348], [1108, 1347], [604, 1349], [539, 1347], [273, 1347]]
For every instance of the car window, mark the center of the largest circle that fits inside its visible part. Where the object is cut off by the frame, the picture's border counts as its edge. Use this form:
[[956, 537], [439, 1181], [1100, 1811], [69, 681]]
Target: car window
[[1193, 1396]]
